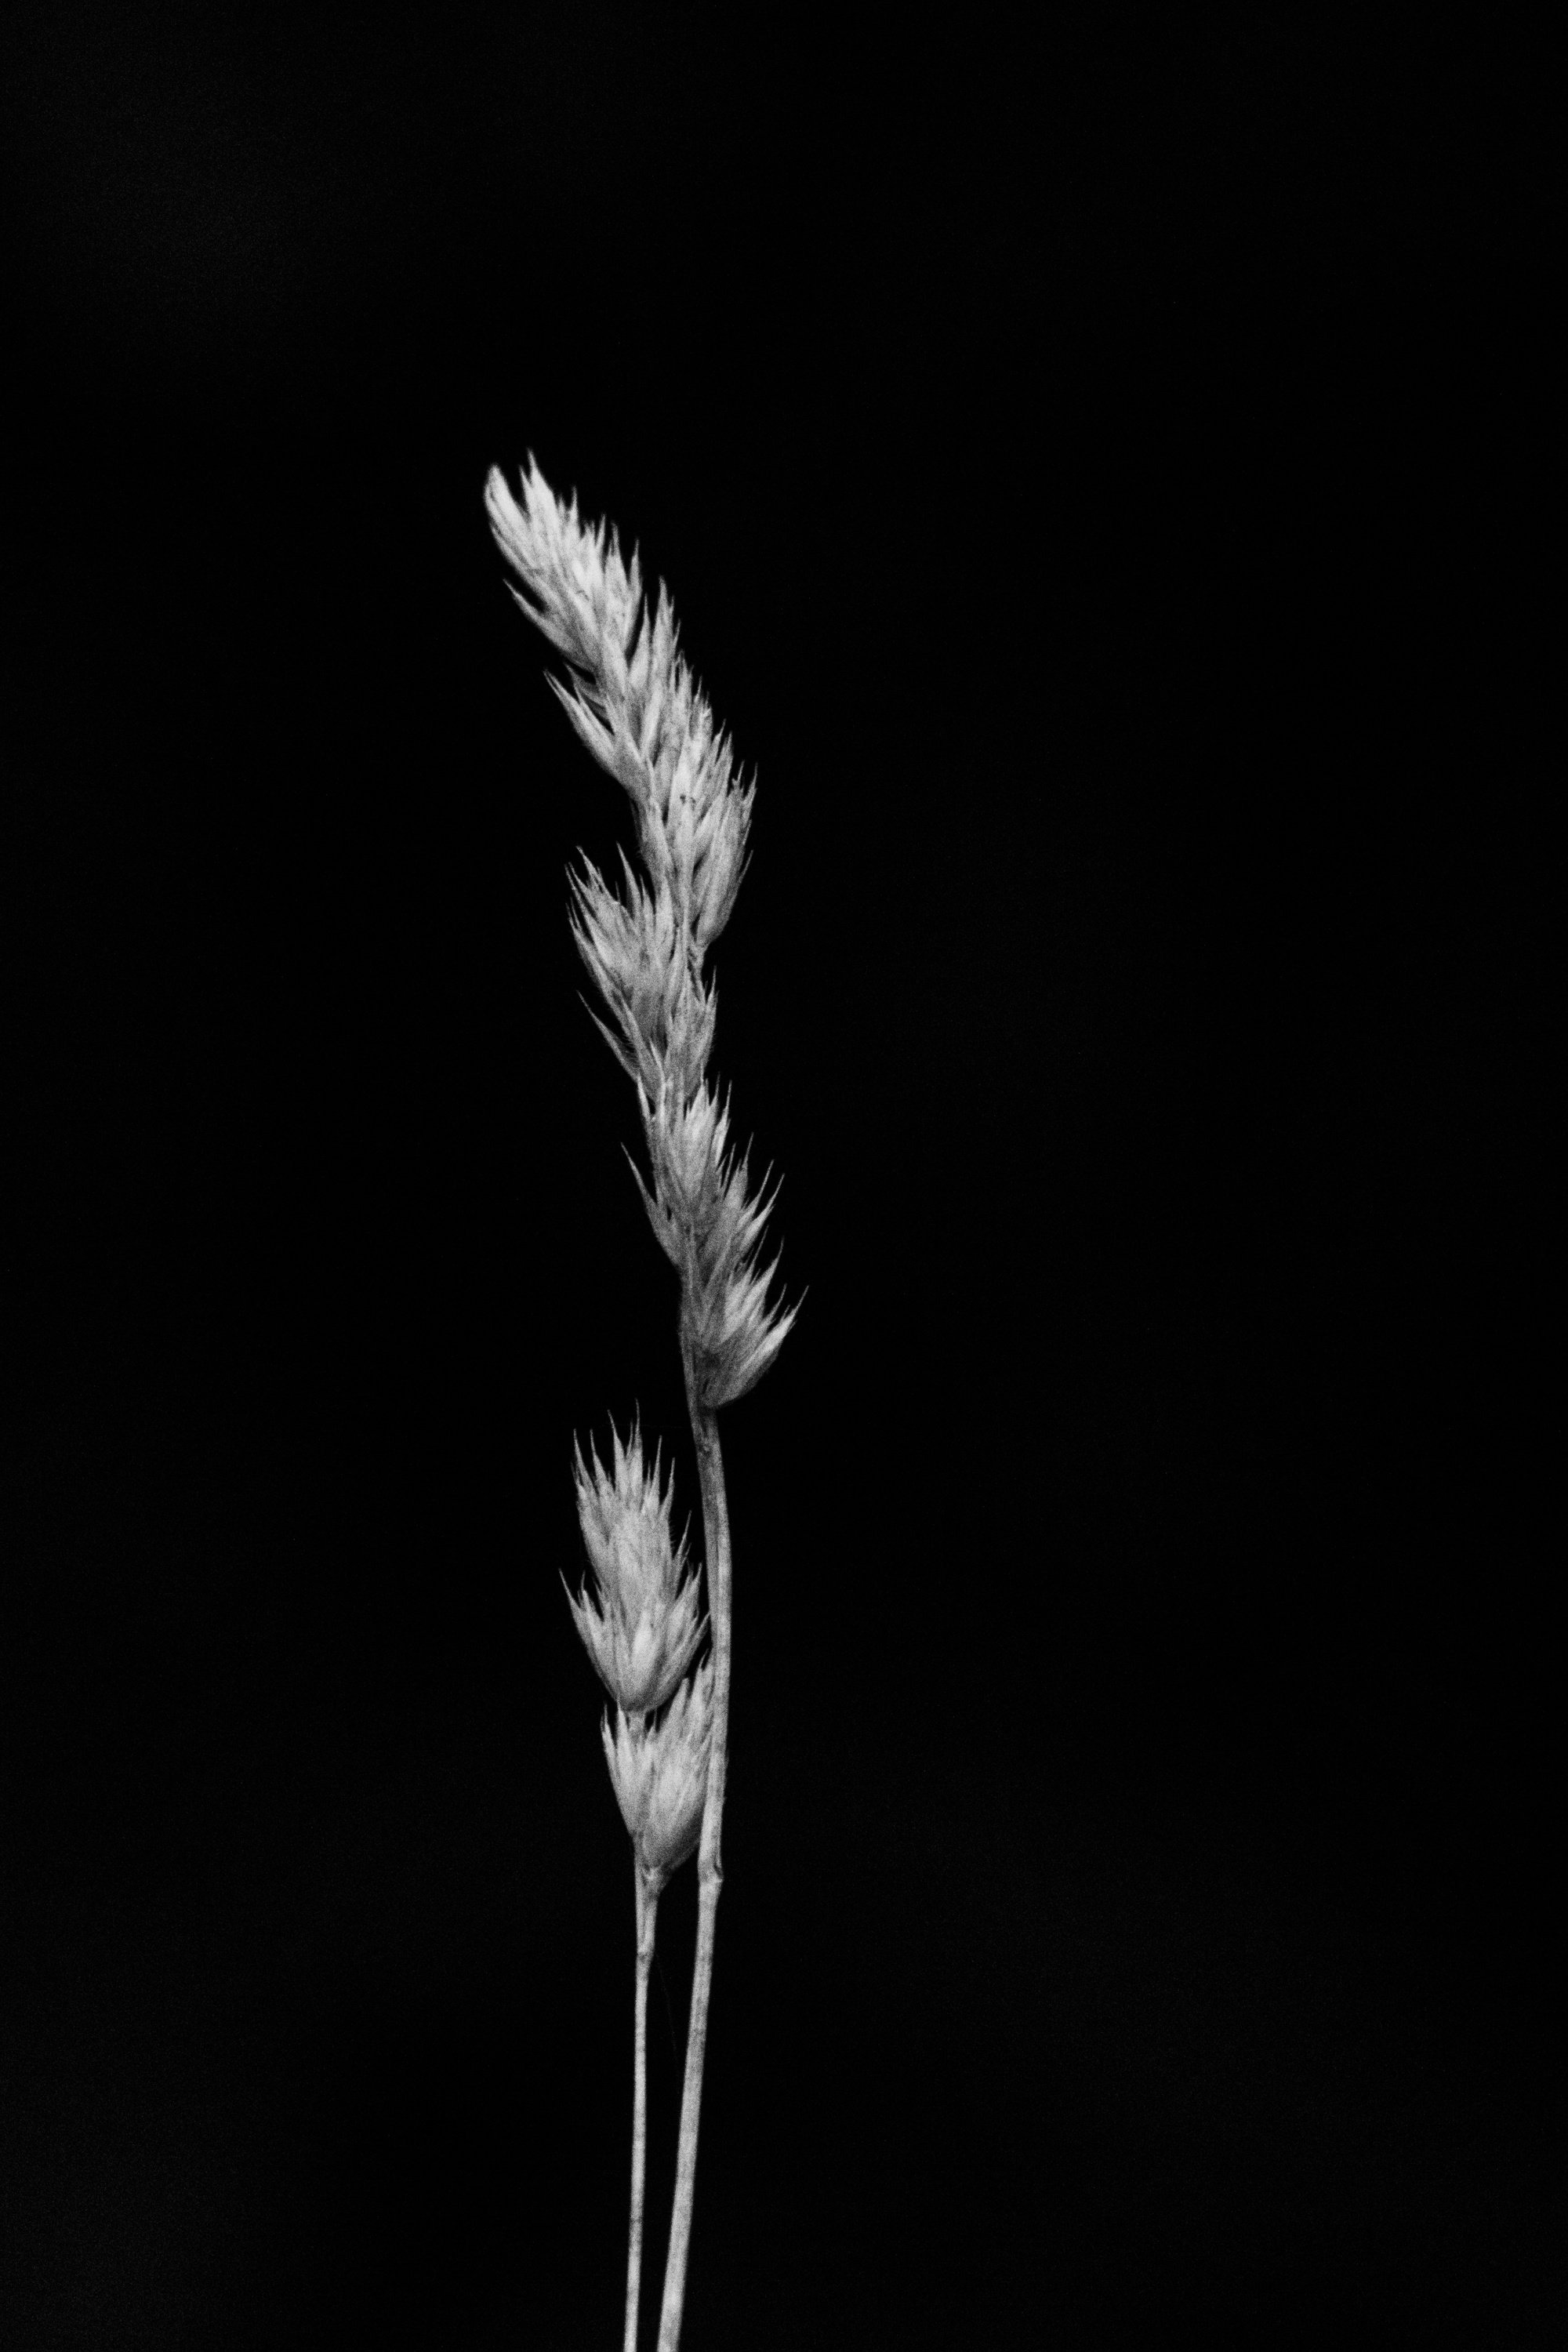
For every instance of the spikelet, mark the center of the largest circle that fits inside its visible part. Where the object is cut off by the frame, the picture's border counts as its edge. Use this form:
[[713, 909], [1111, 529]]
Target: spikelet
[[634, 951], [661, 1775], [710, 1227], [640, 1625]]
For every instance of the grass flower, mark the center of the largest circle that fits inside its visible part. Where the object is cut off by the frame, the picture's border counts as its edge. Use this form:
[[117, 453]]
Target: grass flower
[[636, 706]]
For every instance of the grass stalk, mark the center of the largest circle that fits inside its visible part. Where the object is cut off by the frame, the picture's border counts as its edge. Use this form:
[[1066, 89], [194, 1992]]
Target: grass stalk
[[709, 1864], [648, 1911]]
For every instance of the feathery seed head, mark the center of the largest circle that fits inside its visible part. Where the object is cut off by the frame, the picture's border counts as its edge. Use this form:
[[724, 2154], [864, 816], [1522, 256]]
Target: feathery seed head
[[660, 1775], [633, 702], [641, 1624]]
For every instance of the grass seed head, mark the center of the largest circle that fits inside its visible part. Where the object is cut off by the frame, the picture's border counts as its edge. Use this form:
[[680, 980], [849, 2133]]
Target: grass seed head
[[636, 707]]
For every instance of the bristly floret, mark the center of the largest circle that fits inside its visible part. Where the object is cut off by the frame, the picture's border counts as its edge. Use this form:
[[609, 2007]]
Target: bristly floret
[[634, 704]]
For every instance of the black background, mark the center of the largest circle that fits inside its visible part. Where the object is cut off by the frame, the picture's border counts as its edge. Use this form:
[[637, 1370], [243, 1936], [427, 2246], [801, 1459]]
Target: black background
[[1095, 476]]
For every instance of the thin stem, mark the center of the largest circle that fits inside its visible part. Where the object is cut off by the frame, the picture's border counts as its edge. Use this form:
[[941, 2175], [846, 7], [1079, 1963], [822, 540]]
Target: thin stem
[[710, 1870], [647, 1908]]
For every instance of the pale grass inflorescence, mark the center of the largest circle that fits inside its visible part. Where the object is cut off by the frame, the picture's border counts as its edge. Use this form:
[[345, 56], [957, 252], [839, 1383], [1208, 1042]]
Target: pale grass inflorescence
[[636, 706]]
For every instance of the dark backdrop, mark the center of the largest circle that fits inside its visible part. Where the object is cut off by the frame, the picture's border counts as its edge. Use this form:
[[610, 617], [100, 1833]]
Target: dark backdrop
[[1094, 477]]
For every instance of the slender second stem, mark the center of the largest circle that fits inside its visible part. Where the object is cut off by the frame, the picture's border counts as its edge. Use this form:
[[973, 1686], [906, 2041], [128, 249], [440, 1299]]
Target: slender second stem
[[647, 1908], [710, 1869]]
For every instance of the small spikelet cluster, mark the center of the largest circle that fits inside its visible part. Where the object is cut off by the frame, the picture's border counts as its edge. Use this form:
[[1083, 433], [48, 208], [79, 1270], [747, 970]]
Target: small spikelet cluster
[[661, 1775], [640, 1625], [634, 704], [708, 1225], [632, 699]]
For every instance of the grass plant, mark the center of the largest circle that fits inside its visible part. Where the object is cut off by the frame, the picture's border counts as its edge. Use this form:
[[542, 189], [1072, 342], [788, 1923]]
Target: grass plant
[[633, 702]]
